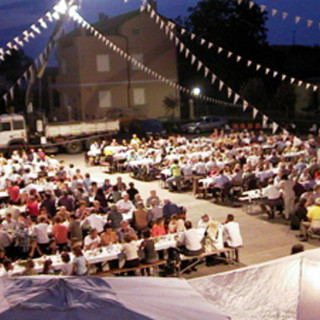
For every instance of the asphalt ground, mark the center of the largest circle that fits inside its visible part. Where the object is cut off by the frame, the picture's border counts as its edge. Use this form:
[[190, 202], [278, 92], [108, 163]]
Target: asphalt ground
[[264, 239]]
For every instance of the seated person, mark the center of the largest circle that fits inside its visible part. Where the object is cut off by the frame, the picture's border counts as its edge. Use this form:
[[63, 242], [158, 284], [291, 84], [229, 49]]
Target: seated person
[[108, 236], [29, 269], [92, 241], [35, 251], [130, 250], [190, 241], [159, 228], [204, 221], [126, 229]]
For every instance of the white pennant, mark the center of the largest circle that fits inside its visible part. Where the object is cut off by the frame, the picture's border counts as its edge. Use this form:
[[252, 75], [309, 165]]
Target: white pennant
[[308, 85], [267, 70], [202, 41], [249, 63], [220, 50], [283, 77], [5, 98], [49, 16], [264, 121], [309, 23], [258, 66], [42, 23], [187, 52], [193, 59], [274, 12], [236, 98], [152, 14], [157, 19], [199, 65], [315, 88], [181, 46], [255, 112], [251, 4], [292, 80], [176, 41], [230, 54], [210, 45], [300, 82], [142, 8], [192, 36], [206, 71], [161, 24], [284, 15], [11, 92], [171, 35], [9, 45], [213, 79], [229, 92], [240, 1], [275, 127], [275, 73], [239, 58], [245, 105], [263, 8], [183, 31], [221, 84], [297, 19]]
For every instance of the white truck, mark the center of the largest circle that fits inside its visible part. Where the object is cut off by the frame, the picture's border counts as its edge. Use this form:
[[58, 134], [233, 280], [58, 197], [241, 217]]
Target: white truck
[[71, 137]]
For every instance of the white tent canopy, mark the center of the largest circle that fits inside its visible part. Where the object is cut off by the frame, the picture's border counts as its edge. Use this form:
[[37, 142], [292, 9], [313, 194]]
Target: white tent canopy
[[92, 298], [286, 288]]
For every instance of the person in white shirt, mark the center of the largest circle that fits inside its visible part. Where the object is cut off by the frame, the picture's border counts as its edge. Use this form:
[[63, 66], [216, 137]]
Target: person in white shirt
[[190, 241], [125, 205], [8, 223], [92, 240], [95, 221], [204, 221], [273, 199], [232, 235], [41, 232]]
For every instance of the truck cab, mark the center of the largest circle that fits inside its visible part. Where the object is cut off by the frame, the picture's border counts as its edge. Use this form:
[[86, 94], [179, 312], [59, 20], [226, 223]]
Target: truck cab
[[12, 130]]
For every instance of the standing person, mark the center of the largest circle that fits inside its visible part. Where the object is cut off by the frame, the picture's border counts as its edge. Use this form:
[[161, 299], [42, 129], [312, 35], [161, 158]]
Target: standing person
[[41, 232], [232, 235], [153, 198], [79, 262], [14, 193], [33, 208], [286, 185], [132, 191], [176, 176], [115, 217], [156, 212], [74, 228]]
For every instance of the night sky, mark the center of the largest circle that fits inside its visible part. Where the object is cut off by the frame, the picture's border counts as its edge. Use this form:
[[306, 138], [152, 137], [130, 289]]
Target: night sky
[[16, 15]]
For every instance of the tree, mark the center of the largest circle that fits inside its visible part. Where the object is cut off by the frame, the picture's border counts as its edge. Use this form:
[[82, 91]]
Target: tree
[[255, 91], [170, 103], [285, 100]]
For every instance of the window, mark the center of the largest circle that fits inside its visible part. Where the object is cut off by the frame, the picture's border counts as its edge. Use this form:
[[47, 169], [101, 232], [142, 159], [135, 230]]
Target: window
[[18, 125], [103, 63], [63, 66], [5, 126], [139, 96], [139, 58], [105, 99]]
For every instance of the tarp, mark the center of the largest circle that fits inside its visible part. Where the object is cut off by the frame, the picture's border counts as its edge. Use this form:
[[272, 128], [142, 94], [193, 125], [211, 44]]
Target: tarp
[[93, 298], [286, 288]]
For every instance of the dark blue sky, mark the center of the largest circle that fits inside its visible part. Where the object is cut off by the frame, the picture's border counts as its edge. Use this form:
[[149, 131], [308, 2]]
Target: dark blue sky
[[16, 15]]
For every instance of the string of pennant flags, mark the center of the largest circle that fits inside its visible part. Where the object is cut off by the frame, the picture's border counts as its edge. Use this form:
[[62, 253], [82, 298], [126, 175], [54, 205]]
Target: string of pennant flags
[[230, 54], [284, 14], [31, 70], [33, 30], [169, 31], [83, 23]]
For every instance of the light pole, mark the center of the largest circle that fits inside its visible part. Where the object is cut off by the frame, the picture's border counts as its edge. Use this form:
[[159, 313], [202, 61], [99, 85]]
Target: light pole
[[195, 93]]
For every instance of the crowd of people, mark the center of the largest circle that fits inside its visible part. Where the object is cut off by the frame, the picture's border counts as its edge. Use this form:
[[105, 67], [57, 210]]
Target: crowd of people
[[50, 208]]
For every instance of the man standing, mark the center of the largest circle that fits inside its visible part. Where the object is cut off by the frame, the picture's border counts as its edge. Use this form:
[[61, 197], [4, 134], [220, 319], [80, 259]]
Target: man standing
[[288, 194]]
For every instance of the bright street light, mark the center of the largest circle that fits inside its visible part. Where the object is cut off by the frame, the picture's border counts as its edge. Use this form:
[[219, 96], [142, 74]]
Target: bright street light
[[196, 91]]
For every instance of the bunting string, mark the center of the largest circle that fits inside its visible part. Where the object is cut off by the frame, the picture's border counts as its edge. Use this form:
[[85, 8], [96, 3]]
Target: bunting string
[[34, 29], [168, 28], [230, 54], [84, 24]]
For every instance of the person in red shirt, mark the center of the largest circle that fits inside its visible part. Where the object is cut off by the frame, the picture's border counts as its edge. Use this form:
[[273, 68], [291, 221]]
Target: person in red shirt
[[33, 208], [158, 228], [60, 233], [14, 193]]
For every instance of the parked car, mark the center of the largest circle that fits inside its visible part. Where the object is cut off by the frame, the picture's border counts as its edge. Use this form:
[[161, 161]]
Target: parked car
[[204, 124]]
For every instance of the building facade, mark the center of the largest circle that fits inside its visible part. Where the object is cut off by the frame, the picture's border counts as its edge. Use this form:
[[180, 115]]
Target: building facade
[[94, 82]]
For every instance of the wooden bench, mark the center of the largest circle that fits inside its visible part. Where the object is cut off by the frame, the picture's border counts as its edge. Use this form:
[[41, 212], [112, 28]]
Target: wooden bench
[[142, 266], [230, 257]]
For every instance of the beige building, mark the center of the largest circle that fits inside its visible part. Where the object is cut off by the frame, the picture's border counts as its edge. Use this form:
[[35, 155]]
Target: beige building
[[94, 82]]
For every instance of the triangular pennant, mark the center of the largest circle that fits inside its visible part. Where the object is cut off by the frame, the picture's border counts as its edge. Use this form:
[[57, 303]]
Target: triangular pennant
[[181, 47], [176, 41], [192, 36], [254, 113], [183, 31], [142, 8], [220, 50], [245, 105], [199, 65], [5, 98], [300, 82], [284, 15], [213, 79], [292, 80], [309, 23], [239, 58], [249, 63], [221, 84], [210, 45], [274, 12], [229, 92], [258, 66], [152, 14], [251, 4], [263, 8], [49, 16], [283, 77], [308, 85], [267, 70], [230, 54], [11, 92], [193, 59], [240, 1], [315, 88], [275, 73], [187, 52], [161, 24], [202, 41], [236, 98], [171, 35], [206, 71], [264, 121], [275, 127], [297, 19]]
